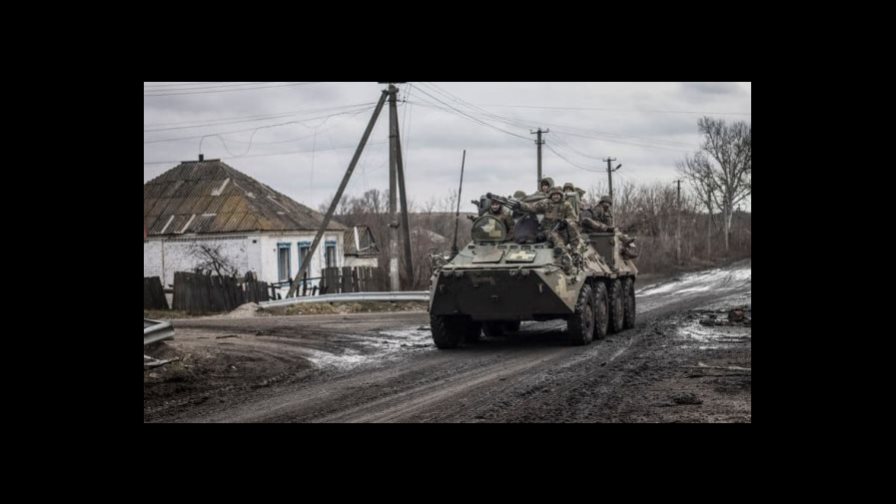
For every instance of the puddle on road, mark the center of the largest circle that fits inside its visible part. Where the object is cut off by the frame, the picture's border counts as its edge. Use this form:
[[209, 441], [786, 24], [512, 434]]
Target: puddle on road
[[348, 360], [701, 282], [376, 347], [714, 337]]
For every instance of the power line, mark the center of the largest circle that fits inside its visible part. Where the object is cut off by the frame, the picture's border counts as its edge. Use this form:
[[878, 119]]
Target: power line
[[260, 127], [204, 86], [271, 154], [231, 90], [170, 84], [628, 143], [465, 115], [621, 110], [512, 122], [561, 156], [239, 119]]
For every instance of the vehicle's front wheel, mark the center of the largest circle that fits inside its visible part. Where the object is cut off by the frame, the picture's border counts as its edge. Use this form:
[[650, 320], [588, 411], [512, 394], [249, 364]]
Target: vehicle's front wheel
[[493, 329], [448, 331], [473, 331]]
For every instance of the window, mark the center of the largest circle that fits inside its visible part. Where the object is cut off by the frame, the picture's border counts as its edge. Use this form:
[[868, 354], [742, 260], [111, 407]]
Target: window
[[304, 247], [331, 254], [283, 271]]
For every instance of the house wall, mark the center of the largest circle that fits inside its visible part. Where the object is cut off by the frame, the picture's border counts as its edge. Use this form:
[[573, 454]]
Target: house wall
[[361, 261], [164, 256], [253, 252]]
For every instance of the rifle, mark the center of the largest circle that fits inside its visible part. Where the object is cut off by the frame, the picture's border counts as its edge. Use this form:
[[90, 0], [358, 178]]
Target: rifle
[[511, 203]]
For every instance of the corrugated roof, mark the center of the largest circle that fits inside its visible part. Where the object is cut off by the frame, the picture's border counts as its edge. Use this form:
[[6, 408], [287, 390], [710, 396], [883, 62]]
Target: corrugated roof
[[208, 197]]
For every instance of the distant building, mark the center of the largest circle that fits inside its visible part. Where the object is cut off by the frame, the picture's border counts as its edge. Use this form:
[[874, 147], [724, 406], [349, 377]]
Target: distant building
[[360, 247], [209, 205]]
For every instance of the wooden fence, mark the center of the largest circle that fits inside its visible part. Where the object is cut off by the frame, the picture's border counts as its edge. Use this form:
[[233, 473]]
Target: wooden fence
[[204, 293], [153, 294], [347, 279]]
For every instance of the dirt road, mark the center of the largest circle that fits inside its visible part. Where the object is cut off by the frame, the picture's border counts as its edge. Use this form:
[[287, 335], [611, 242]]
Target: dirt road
[[382, 367]]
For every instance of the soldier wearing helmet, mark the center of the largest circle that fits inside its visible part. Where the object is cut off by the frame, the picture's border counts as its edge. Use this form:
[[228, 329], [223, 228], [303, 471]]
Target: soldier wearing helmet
[[545, 185], [599, 218], [602, 220], [498, 211], [560, 218]]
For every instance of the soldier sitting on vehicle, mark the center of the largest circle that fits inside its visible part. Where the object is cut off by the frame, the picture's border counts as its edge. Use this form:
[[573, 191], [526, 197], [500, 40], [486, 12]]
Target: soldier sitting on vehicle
[[545, 185], [600, 219], [498, 211], [560, 222]]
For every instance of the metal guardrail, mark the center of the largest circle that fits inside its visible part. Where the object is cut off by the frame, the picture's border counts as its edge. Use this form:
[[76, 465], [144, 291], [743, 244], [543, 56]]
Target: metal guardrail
[[349, 297], [156, 330]]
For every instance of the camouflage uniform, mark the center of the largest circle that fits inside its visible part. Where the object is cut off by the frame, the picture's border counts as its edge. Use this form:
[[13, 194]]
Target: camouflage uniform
[[505, 217], [598, 218], [554, 212]]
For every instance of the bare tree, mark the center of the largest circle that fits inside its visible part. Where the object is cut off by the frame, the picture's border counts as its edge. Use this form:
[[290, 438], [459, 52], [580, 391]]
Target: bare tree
[[212, 259], [698, 172], [730, 147]]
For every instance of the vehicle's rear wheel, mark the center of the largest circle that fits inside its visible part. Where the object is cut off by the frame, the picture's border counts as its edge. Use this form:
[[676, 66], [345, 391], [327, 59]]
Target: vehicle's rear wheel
[[616, 304], [512, 326], [447, 330], [628, 288], [581, 325], [601, 311]]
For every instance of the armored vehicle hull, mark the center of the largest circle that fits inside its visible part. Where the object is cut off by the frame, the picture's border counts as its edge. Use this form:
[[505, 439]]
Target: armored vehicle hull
[[493, 285]]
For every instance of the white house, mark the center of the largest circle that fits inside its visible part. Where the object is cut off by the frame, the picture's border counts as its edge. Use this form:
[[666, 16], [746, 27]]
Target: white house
[[253, 227]]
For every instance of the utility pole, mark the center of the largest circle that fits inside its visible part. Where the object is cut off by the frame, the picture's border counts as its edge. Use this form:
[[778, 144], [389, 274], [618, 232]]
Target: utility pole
[[610, 171], [539, 142], [709, 227], [678, 230], [306, 262], [394, 284], [396, 171]]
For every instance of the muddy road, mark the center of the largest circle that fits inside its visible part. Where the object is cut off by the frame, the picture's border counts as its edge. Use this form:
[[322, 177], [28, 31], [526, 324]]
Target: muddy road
[[676, 365]]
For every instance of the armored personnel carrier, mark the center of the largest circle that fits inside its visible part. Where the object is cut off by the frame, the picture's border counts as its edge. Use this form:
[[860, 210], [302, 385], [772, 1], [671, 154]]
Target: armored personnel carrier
[[494, 283]]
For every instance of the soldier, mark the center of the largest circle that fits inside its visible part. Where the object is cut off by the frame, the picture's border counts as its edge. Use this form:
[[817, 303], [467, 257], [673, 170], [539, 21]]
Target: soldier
[[545, 185], [599, 218], [602, 220], [570, 190], [557, 213], [498, 211]]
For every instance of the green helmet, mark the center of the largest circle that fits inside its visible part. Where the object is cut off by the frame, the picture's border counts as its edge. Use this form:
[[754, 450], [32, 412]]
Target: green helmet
[[605, 199], [519, 195], [546, 180], [555, 189], [569, 187]]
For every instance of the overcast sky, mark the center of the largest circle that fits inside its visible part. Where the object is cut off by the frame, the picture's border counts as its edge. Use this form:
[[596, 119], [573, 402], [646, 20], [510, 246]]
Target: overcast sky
[[299, 138]]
